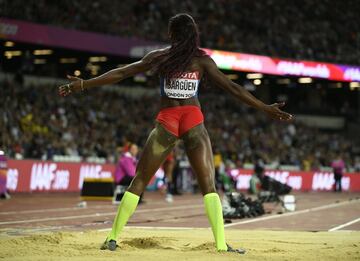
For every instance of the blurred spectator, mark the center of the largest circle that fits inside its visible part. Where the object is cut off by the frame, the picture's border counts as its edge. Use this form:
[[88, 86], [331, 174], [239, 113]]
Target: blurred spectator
[[126, 166], [3, 175], [257, 177], [325, 30], [338, 166], [218, 164], [357, 164], [36, 123]]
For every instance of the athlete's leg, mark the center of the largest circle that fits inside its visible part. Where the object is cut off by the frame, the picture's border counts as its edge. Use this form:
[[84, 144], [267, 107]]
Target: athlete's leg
[[198, 149], [157, 147], [168, 167]]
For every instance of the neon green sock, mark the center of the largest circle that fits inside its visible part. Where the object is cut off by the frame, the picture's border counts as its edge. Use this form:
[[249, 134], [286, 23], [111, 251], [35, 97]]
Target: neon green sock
[[126, 208], [214, 212]]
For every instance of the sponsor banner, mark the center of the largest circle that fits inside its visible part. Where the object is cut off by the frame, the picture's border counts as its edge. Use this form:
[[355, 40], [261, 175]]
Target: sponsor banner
[[268, 65], [49, 176], [300, 180], [30, 175], [38, 176], [53, 36]]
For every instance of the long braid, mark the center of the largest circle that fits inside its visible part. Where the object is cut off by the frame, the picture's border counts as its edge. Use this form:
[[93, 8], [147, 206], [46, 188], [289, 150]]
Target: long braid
[[185, 46]]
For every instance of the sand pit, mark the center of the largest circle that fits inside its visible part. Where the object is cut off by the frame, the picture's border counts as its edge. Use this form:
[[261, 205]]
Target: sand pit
[[196, 244]]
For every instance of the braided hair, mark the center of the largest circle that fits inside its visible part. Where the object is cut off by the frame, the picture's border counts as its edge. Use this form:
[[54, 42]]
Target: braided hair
[[184, 36]]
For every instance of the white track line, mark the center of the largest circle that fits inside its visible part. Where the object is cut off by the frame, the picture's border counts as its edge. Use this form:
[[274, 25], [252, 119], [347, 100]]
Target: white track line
[[50, 210], [344, 225], [333, 205], [78, 208], [154, 228], [96, 215]]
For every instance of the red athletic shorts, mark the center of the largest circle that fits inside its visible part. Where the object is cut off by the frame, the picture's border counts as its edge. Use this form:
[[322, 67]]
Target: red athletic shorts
[[178, 120]]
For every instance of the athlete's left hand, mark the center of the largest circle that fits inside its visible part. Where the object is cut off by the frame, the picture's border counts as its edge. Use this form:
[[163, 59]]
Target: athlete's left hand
[[73, 86], [274, 111]]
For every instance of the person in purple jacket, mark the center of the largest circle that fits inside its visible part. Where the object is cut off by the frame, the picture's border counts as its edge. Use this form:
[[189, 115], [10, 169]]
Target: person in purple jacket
[[3, 176], [338, 166], [126, 167]]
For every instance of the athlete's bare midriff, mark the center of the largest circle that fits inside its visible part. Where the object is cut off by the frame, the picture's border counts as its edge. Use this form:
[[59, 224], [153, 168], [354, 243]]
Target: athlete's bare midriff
[[166, 102]]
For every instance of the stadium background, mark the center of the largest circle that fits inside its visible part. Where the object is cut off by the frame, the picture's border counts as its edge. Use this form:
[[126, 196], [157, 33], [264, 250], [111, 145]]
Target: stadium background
[[303, 52]]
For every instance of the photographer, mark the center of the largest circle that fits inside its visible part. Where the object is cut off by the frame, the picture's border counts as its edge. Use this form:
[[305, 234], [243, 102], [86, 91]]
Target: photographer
[[257, 177]]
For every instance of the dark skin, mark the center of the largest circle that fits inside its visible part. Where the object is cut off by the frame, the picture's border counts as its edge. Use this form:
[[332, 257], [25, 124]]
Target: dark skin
[[168, 167], [160, 142]]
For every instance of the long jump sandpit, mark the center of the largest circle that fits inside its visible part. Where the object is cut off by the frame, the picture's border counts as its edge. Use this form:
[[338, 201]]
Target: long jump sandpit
[[183, 244]]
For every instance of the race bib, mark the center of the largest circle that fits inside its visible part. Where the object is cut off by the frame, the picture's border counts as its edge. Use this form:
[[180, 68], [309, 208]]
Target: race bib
[[182, 86]]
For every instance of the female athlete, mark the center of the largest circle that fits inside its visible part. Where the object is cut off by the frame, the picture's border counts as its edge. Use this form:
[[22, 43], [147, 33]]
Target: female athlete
[[180, 67]]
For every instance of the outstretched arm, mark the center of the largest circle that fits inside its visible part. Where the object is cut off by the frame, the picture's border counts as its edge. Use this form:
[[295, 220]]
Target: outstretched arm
[[112, 76], [220, 79]]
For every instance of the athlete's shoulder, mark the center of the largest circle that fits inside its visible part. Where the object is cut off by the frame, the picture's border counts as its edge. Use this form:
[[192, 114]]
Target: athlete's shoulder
[[205, 60], [155, 53]]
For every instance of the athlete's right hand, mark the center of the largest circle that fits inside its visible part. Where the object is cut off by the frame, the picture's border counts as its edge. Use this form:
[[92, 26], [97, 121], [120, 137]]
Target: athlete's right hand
[[274, 111], [73, 86]]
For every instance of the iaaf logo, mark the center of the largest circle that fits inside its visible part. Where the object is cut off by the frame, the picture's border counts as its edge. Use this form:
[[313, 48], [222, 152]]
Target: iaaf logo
[[46, 176], [284, 177], [325, 181], [280, 176], [92, 171], [243, 180]]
